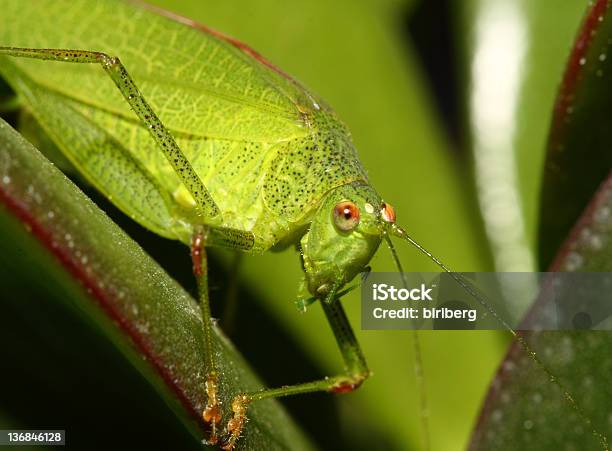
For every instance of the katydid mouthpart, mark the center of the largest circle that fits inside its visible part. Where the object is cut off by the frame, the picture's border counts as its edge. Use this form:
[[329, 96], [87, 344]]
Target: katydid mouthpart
[[165, 130]]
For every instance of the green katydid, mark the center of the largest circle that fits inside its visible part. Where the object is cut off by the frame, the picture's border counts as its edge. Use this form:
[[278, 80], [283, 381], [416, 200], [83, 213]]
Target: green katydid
[[228, 119]]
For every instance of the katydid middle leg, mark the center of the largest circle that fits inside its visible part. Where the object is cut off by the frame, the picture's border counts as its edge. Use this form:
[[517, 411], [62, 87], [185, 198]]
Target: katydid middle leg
[[356, 371]]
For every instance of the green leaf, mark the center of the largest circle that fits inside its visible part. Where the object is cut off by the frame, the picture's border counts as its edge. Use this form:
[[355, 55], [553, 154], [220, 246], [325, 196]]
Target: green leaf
[[89, 322], [524, 409]]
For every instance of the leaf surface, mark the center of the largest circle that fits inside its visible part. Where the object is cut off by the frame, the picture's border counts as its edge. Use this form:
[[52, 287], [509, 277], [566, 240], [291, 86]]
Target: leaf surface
[[75, 284]]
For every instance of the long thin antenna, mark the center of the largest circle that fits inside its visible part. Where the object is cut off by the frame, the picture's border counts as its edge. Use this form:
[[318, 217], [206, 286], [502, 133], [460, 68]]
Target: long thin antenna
[[401, 233], [418, 362]]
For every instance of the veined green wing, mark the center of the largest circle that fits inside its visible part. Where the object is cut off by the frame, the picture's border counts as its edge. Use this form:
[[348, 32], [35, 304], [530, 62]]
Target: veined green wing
[[198, 83]]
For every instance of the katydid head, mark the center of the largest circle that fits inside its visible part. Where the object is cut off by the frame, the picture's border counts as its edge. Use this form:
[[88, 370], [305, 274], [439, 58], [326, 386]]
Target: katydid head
[[343, 236]]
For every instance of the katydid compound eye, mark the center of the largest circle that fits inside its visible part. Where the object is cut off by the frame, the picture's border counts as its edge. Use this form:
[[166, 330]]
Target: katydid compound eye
[[346, 216]]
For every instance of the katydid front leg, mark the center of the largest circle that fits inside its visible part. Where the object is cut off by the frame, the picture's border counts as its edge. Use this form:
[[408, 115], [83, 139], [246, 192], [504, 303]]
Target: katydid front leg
[[356, 371]]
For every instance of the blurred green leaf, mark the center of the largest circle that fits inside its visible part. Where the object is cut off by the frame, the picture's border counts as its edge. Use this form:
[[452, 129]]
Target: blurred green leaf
[[579, 156], [515, 52], [66, 268], [537, 415], [552, 28]]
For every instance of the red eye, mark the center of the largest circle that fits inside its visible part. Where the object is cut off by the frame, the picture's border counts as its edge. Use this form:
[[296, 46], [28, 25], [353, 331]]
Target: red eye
[[346, 216], [387, 212]]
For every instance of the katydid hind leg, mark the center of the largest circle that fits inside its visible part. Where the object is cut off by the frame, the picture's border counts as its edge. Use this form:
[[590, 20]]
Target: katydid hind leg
[[212, 236], [124, 82], [212, 412], [356, 371]]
